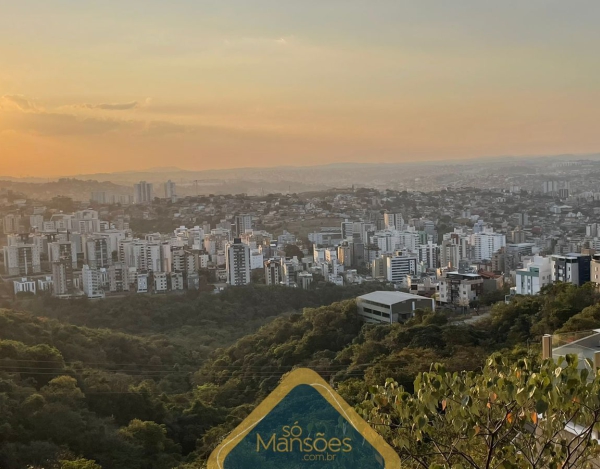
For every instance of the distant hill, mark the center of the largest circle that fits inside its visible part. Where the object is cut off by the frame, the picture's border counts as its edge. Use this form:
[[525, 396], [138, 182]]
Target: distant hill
[[77, 189], [253, 181]]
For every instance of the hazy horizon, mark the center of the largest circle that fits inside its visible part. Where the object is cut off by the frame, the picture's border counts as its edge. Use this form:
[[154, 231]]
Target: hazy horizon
[[157, 170], [116, 87]]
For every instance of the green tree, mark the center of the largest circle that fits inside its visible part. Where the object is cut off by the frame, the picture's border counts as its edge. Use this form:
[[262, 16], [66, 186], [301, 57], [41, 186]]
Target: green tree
[[509, 415], [292, 250], [151, 436], [79, 464]]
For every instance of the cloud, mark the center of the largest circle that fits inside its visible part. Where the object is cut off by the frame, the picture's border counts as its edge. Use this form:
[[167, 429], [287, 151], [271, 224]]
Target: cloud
[[23, 116], [16, 101], [159, 128], [49, 123], [112, 106]]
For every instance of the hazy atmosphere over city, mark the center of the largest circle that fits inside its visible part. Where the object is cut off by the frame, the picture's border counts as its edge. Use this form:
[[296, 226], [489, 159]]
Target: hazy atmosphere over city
[[91, 87], [330, 234]]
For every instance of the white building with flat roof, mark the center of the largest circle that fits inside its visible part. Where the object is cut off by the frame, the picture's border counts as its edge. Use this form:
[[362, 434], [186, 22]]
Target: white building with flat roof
[[92, 283], [398, 267], [460, 287], [24, 285], [535, 274], [176, 281], [160, 282], [486, 244], [390, 307]]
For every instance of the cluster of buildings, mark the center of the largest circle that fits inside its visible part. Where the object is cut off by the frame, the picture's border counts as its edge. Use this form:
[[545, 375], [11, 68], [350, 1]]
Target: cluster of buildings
[[79, 254], [143, 193], [453, 245]]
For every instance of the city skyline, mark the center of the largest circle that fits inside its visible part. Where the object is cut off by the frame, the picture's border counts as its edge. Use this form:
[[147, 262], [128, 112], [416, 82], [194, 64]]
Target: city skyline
[[111, 87]]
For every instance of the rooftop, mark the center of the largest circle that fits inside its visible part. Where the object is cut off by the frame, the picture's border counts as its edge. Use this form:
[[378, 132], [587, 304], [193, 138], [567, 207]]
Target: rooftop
[[391, 297], [464, 274], [570, 255], [584, 344]]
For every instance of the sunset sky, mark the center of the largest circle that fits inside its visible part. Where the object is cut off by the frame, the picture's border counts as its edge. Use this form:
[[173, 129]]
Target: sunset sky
[[99, 86]]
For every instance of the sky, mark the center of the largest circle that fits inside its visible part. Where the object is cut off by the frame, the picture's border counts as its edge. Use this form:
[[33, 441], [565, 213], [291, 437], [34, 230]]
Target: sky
[[103, 86]]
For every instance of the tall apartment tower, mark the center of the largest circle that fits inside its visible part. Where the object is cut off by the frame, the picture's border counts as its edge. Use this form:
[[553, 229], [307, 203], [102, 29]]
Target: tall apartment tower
[[398, 267], [272, 272], [90, 279], [170, 189], [393, 221], [12, 224], [143, 193], [237, 261], [62, 278], [242, 223], [97, 252], [99, 197], [22, 259], [63, 251], [118, 277]]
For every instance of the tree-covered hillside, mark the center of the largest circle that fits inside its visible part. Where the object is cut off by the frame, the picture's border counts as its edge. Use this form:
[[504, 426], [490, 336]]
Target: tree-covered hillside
[[199, 321], [128, 383]]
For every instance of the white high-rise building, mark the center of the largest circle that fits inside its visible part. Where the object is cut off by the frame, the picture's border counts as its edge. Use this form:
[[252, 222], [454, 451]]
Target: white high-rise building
[[99, 197], [387, 241], [170, 189], [63, 251], [196, 237], [486, 244], [37, 222], [398, 267], [347, 230], [242, 223], [118, 277], [428, 255], [12, 224], [409, 240], [256, 259], [92, 283], [393, 221], [97, 252], [63, 280], [143, 193], [86, 221], [22, 259], [272, 272], [237, 262]]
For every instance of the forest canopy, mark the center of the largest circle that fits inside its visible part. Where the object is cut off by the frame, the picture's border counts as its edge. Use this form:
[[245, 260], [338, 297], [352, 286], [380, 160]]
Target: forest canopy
[[146, 382]]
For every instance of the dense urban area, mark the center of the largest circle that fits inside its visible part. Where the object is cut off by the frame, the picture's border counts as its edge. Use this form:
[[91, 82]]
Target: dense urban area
[[454, 244], [140, 326]]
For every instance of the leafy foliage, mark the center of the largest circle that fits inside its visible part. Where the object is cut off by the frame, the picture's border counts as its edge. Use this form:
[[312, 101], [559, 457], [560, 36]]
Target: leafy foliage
[[151, 382], [510, 415], [200, 322]]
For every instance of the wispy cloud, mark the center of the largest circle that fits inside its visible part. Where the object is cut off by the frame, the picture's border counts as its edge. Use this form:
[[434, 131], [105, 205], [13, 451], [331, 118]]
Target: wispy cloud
[[159, 128], [27, 116], [24, 116], [112, 106], [51, 123], [17, 102]]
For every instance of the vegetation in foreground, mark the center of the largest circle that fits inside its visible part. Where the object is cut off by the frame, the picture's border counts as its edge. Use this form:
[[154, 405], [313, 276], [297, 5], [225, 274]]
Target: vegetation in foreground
[[144, 398]]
